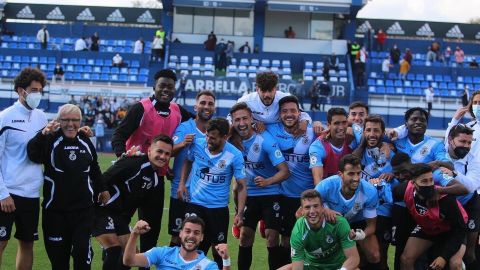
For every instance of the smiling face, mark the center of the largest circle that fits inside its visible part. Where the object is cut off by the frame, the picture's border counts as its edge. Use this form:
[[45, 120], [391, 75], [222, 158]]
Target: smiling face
[[205, 107], [215, 141], [69, 124], [164, 90], [312, 210], [417, 123], [351, 177], [357, 115], [338, 126], [159, 154], [373, 133], [267, 96], [191, 235], [242, 123], [289, 114]]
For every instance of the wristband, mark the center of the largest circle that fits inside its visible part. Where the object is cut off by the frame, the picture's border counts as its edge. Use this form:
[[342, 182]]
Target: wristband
[[227, 262], [343, 268]]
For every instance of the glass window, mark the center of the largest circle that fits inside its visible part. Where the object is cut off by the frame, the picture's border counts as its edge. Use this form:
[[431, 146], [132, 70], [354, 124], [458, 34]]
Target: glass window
[[321, 26], [223, 22], [243, 24], [203, 21], [183, 20]]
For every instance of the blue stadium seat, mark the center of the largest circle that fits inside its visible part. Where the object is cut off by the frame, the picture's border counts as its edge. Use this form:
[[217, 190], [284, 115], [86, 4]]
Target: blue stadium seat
[[254, 62], [275, 63], [7, 66], [135, 64], [104, 77], [408, 91], [418, 92], [144, 71], [438, 78], [51, 60], [442, 85], [77, 76], [429, 77], [451, 86], [99, 62], [379, 82], [411, 77], [184, 59], [468, 79], [17, 58], [407, 83], [91, 62], [286, 63], [114, 70], [78, 69], [372, 89], [196, 60], [124, 70], [172, 65], [133, 71], [86, 76], [424, 84], [68, 76], [371, 82], [420, 77], [25, 59], [381, 90], [398, 83], [97, 69], [123, 78], [142, 78], [95, 77], [82, 61], [132, 78], [476, 80], [447, 78], [244, 62], [308, 65], [105, 69], [87, 69], [69, 68], [71, 61], [388, 83], [209, 60], [50, 67]]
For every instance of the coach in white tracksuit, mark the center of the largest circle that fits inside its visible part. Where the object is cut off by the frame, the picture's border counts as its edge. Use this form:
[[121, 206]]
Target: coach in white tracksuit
[[20, 179]]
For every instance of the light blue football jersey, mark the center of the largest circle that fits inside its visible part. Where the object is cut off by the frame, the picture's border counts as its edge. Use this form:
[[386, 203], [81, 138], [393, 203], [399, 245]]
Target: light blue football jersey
[[168, 258], [428, 150]]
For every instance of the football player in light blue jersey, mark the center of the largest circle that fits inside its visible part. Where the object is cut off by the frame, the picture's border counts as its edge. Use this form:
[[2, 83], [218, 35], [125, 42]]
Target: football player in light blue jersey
[[295, 151], [375, 157], [186, 256], [357, 201], [458, 144], [209, 167], [325, 154], [420, 147], [182, 138], [357, 113], [266, 168]]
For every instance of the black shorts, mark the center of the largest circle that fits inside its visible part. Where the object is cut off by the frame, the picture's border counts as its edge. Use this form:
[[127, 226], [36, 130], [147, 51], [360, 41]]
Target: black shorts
[[383, 229], [439, 240], [107, 222], [358, 225], [472, 207], [25, 216], [289, 207], [402, 225], [263, 207], [176, 214], [216, 221]]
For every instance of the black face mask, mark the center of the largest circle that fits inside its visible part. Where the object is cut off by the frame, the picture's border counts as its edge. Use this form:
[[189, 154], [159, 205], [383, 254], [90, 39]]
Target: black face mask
[[461, 151], [426, 192]]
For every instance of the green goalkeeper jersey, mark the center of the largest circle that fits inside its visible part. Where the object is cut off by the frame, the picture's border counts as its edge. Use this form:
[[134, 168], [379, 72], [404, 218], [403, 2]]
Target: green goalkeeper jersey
[[322, 248]]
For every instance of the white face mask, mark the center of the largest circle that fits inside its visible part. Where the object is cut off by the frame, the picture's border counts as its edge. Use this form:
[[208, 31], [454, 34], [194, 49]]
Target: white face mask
[[33, 100], [476, 111]]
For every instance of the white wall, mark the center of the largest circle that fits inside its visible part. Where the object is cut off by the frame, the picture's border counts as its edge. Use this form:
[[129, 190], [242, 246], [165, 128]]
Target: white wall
[[277, 21], [311, 46]]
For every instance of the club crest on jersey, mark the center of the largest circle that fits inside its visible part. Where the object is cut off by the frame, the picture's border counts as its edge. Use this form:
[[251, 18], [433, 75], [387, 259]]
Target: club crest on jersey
[[357, 206], [329, 239], [221, 164], [256, 147], [305, 139], [3, 231], [471, 224], [424, 150], [175, 138], [278, 153], [276, 206], [72, 156], [221, 237]]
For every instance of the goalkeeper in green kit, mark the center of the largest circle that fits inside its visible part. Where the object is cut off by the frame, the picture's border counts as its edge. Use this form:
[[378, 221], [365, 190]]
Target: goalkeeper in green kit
[[318, 244]]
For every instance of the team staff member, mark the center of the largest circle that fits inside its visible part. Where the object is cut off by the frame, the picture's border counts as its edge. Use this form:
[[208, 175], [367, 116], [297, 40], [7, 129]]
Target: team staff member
[[207, 171], [319, 244], [129, 181], [145, 120], [20, 178], [71, 167], [266, 168], [183, 137], [441, 221], [295, 151], [357, 201], [184, 257]]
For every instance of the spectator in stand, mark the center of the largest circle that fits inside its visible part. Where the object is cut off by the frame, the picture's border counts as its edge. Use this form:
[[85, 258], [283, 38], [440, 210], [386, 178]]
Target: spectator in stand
[[359, 71], [229, 52], [289, 33], [139, 46], [334, 62], [245, 48], [100, 133], [95, 39], [58, 73], [408, 56], [436, 50], [429, 94], [404, 68], [474, 64], [211, 42], [157, 48], [465, 96], [431, 56], [354, 49], [256, 49], [326, 69], [220, 55], [386, 65], [459, 56], [314, 93], [81, 45], [325, 92], [160, 32], [447, 55], [395, 54], [43, 36], [117, 61], [381, 38], [182, 93]]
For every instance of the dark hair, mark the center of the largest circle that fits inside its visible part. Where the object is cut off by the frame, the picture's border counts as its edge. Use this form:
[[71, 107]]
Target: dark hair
[[335, 111], [410, 111], [266, 81], [27, 76], [165, 73], [348, 159], [162, 138], [356, 104], [399, 159], [419, 169], [195, 220], [310, 194], [459, 129], [288, 99], [220, 124], [375, 119], [240, 106], [205, 93], [471, 103]]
